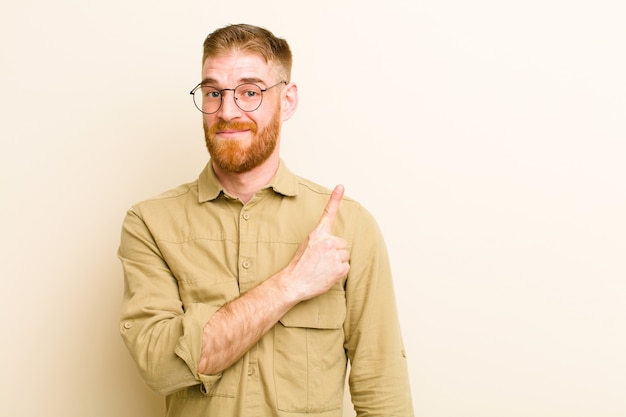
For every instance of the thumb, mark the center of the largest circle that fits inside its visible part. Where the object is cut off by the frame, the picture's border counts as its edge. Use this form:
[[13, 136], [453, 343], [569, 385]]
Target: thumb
[[330, 211]]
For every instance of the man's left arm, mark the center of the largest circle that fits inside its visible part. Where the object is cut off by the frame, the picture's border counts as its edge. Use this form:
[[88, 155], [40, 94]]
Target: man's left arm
[[378, 380]]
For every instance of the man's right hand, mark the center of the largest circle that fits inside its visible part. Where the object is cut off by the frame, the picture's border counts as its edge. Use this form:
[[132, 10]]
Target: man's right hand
[[321, 260]]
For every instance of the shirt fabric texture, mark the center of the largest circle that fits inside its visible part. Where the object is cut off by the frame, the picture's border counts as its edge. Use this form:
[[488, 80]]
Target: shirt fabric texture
[[188, 251]]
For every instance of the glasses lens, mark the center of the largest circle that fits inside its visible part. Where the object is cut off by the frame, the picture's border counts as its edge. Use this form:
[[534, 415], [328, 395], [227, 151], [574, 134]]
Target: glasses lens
[[248, 97], [207, 99]]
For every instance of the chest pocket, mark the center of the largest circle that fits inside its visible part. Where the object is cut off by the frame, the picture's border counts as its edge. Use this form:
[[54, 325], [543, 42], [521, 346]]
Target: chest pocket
[[309, 357]]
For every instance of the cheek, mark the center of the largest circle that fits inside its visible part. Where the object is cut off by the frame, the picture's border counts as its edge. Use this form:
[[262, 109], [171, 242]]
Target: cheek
[[268, 117], [208, 119]]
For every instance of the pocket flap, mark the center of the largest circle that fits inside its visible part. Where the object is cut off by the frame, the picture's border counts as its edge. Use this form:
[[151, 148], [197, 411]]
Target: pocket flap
[[326, 311]]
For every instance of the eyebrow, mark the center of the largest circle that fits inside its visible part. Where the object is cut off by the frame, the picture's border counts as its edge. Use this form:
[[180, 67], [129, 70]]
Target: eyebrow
[[254, 80]]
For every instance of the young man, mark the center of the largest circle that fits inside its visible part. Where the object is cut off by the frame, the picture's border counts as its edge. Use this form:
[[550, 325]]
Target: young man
[[248, 290]]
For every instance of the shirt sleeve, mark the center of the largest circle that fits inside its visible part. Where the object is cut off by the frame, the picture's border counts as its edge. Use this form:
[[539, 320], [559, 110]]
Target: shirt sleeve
[[163, 337], [378, 380]]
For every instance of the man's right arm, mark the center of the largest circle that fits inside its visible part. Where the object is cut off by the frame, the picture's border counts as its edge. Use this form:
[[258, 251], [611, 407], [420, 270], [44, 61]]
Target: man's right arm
[[159, 331], [155, 326]]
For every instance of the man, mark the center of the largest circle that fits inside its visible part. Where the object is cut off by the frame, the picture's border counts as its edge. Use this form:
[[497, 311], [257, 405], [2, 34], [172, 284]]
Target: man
[[248, 290]]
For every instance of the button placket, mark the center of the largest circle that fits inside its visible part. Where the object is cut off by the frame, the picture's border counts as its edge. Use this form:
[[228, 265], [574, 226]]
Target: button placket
[[247, 249]]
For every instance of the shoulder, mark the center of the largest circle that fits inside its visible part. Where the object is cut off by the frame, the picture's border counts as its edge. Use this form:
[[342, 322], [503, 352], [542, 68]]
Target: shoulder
[[311, 189], [311, 192], [352, 214], [181, 195]]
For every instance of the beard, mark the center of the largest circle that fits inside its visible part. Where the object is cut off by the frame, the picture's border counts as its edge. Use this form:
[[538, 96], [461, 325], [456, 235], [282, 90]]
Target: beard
[[232, 155]]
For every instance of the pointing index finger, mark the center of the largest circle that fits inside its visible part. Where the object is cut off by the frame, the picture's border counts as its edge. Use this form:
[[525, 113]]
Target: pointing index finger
[[330, 211]]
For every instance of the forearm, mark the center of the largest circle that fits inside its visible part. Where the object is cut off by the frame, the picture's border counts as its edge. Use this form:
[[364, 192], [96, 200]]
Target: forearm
[[239, 324]]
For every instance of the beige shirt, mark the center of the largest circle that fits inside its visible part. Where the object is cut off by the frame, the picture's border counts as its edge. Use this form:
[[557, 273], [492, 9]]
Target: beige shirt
[[188, 251]]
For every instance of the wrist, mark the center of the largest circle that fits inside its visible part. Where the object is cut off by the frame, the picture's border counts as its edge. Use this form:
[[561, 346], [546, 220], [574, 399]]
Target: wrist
[[283, 288]]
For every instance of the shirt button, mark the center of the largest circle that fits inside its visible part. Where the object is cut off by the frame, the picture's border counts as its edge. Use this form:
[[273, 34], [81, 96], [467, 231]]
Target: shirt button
[[250, 371], [245, 264], [246, 216], [128, 325]]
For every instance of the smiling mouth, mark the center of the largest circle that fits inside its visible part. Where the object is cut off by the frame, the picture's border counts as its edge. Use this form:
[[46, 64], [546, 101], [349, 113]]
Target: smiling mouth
[[232, 130], [229, 132], [232, 134]]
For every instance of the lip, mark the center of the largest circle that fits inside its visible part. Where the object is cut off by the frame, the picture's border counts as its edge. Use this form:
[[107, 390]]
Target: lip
[[231, 133]]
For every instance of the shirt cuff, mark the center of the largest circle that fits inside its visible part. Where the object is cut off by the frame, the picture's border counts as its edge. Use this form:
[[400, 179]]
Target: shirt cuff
[[189, 345]]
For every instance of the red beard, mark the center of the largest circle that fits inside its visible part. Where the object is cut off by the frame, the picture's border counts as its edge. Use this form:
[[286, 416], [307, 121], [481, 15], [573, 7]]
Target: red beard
[[232, 155]]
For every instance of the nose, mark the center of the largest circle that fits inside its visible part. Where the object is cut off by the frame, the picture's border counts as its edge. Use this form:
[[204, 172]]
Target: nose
[[229, 109]]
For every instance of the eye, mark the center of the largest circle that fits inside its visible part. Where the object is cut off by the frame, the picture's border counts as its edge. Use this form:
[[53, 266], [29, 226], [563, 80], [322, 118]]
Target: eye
[[213, 94], [250, 93]]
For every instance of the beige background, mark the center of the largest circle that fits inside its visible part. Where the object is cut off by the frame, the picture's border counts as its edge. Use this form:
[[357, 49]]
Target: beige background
[[487, 137]]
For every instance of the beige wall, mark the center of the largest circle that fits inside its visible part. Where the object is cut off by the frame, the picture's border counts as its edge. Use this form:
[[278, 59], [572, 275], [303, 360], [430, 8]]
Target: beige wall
[[488, 139]]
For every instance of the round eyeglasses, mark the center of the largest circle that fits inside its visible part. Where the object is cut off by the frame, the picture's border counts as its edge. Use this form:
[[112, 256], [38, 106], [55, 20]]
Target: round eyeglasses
[[247, 96]]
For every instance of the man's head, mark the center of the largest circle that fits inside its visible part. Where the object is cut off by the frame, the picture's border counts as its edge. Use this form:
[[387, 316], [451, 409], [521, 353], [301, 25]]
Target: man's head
[[240, 137], [254, 40]]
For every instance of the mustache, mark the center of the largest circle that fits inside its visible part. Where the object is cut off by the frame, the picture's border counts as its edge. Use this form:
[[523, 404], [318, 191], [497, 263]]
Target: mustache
[[221, 125]]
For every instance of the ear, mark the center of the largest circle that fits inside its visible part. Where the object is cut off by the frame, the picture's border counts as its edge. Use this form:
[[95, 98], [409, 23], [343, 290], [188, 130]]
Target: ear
[[289, 101]]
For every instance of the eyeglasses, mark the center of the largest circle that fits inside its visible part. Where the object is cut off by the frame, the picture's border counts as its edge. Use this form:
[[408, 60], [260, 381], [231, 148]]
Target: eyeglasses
[[248, 97]]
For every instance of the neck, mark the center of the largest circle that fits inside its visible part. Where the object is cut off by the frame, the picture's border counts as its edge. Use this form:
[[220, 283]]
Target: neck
[[245, 184]]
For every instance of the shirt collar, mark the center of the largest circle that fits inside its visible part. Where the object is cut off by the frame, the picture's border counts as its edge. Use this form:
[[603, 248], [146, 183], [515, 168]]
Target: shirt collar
[[209, 188]]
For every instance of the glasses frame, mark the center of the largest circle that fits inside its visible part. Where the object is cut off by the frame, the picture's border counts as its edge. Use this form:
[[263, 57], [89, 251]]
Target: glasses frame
[[221, 91]]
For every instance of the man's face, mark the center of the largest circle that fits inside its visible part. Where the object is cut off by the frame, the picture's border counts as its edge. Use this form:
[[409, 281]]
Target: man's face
[[239, 141]]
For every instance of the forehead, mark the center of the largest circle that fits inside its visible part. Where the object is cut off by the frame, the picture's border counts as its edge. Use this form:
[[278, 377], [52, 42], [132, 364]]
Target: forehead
[[235, 67]]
